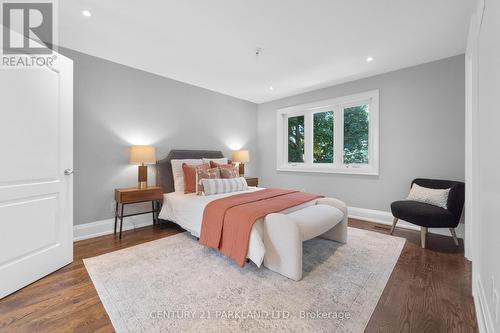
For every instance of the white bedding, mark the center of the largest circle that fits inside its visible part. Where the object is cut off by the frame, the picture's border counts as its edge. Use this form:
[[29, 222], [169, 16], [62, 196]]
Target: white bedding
[[186, 210]]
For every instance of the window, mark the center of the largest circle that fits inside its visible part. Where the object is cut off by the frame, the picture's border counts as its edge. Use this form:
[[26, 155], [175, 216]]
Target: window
[[296, 139], [323, 137], [356, 128], [338, 135]]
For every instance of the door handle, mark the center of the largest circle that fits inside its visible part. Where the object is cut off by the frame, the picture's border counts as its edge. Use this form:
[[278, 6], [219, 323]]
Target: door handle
[[68, 172]]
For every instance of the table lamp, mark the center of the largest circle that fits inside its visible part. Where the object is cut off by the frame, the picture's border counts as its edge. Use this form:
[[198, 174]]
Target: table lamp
[[241, 157], [142, 155]]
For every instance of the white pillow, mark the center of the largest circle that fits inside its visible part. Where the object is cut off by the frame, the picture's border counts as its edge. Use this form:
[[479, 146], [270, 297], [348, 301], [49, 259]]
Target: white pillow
[[223, 185], [430, 196], [178, 174], [216, 160]]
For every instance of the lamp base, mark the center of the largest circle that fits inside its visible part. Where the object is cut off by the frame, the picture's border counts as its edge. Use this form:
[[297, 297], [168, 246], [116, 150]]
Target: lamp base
[[242, 169], [143, 177]]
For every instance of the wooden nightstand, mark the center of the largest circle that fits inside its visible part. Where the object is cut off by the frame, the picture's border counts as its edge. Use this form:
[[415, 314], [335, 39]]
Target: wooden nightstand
[[126, 196], [252, 181]]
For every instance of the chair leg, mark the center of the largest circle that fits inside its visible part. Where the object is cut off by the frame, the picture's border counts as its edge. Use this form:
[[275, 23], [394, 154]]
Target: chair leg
[[454, 235], [394, 224], [423, 236]]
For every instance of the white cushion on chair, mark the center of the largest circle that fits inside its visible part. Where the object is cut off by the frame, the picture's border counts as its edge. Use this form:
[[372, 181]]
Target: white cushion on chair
[[431, 196], [316, 220]]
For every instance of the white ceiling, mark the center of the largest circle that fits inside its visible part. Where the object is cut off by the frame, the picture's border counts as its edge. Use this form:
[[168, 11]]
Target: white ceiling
[[306, 44]]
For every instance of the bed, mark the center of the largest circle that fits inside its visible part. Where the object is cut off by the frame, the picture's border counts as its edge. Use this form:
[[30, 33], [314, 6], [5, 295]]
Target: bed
[[275, 240]]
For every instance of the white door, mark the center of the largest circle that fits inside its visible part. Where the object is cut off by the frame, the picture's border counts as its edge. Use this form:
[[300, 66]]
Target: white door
[[36, 196]]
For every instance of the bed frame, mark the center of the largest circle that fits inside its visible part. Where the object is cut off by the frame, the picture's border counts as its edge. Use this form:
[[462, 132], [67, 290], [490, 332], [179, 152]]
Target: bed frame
[[283, 233]]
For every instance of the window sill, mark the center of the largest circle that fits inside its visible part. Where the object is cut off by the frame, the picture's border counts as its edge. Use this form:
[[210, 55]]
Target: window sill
[[353, 171]]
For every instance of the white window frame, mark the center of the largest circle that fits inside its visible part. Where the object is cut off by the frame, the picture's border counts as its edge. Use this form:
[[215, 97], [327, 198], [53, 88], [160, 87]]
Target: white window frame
[[337, 105]]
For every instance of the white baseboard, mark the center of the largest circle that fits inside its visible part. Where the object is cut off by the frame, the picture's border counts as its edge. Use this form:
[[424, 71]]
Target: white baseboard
[[483, 314], [386, 218], [106, 227]]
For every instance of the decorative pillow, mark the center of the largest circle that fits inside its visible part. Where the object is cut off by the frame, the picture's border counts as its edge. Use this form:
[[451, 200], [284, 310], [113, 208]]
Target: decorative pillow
[[215, 160], [227, 165], [178, 174], [431, 196], [190, 174], [205, 173], [218, 186], [232, 172]]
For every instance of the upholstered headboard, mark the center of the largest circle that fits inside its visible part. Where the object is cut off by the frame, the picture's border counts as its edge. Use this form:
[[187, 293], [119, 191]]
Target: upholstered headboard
[[164, 177]]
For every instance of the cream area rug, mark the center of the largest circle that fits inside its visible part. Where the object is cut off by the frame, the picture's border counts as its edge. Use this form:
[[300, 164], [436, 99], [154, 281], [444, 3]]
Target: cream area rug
[[176, 285]]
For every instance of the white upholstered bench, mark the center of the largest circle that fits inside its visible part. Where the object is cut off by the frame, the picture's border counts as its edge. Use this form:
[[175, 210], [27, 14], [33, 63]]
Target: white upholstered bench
[[284, 234]]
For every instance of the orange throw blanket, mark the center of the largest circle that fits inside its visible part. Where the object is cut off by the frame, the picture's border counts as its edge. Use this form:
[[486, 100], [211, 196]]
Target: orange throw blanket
[[227, 222]]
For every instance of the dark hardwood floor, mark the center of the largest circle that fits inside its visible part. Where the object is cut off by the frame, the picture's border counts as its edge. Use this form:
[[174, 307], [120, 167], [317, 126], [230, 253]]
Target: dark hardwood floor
[[428, 291]]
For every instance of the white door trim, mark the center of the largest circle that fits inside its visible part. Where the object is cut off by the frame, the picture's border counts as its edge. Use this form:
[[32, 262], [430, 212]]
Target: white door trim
[[471, 135]]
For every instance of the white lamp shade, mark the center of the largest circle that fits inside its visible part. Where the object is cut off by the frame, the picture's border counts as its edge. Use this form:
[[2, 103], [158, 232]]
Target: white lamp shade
[[142, 154], [241, 156]]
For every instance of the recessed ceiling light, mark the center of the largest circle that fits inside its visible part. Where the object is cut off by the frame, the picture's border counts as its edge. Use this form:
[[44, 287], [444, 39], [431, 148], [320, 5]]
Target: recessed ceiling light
[[86, 13], [369, 59], [271, 88]]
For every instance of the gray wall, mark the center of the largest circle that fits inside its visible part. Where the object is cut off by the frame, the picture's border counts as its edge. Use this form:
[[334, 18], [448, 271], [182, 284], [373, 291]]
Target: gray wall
[[422, 115], [421, 130], [116, 106]]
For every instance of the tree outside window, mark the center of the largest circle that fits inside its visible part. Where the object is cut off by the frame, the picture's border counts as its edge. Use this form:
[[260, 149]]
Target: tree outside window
[[296, 139], [356, 125]]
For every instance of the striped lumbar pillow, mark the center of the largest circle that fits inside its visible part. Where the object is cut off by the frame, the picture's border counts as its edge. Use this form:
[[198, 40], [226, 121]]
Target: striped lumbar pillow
[[218, 186]]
